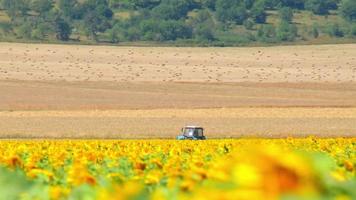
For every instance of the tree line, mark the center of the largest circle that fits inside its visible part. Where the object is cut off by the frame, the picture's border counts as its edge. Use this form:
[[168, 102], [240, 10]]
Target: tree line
[[179, 21]]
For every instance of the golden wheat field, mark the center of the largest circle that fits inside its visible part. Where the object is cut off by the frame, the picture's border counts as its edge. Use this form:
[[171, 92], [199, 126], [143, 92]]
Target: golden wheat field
[[307, 168]]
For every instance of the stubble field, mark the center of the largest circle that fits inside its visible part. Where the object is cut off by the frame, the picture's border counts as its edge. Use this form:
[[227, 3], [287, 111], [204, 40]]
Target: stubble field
[[70, 91]]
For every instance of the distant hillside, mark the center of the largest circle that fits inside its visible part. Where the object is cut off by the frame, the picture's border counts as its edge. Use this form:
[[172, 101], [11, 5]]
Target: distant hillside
[[179, 22]]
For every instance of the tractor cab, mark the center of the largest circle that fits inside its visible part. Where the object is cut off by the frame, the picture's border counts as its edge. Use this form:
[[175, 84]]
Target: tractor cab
[[192, 133]]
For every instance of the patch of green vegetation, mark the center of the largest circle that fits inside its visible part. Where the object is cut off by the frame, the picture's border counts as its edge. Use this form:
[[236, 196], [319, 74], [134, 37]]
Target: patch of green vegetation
[[178, 22]]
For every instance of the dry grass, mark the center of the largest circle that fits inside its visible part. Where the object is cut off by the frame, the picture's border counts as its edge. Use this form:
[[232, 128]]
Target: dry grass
[[29, 95], [166, 123], [4, 17], [292, 112], [317, 64]]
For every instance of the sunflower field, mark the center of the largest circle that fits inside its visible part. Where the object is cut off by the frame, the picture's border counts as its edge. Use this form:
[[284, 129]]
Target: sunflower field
[[305, 168]]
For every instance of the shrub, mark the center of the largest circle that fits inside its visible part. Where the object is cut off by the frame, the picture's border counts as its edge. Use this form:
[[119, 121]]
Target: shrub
[[334, 30], [348, 10], [286, 14], [286, 32]]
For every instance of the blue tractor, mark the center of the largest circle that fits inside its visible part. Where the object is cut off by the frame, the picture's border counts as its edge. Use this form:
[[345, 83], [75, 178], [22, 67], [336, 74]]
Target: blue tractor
[[192, 133]]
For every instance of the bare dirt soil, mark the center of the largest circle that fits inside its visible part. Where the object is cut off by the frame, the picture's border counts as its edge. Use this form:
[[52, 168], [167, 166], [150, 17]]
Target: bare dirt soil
[[66, 91]]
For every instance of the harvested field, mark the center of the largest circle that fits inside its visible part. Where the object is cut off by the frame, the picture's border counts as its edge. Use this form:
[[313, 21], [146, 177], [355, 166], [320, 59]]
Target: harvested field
[[29, 95], [316, 64], [166, 123], [56, 91]]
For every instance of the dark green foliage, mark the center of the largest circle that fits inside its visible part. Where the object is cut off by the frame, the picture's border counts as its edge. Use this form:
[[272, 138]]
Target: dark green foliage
[[286, 31], [298, 4], [258, 12], [249, 3], [159, 30], [353, 30], [62, 29], [133, 34], [315, 31], [41, 6], [208, 4], [272, 4], [67, 7], [96, 18], [319, 7], [203, 26], [286, 14], [334, 30], [114, 35], [203, 22], [266, 33], [204, 33], [5, 28], [173, 9], [172, 30], [24, 31], [231, 11], [41, 31], [249, 24], [15, 8], [348, 10], [145, 3], [95, 23]]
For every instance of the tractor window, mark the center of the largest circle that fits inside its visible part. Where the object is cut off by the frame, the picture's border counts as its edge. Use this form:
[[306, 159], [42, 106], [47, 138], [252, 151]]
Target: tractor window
[[198, 132], [189, 132], [193, 132]]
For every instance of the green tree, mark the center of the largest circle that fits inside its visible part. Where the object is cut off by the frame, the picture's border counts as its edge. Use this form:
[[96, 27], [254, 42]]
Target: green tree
[[25, 30], [208, 4], [258, 12], [249, 3], [315, 30], [145, 3], [248, 23], [286, 31], [133, 34], [150, 29], [41, 31], [353, 30], [319, 7], [204, 32], [97, 18], [286, 14], [173, 9], [172, 30], [203, 26], [62, 29], [348, 10], [298, 4], [266, 33], [114, 35], [6, 28], [271, 4], [67, 7], [231, 11], [334, 30], [42, 6], [94, 24], [15, 8]]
